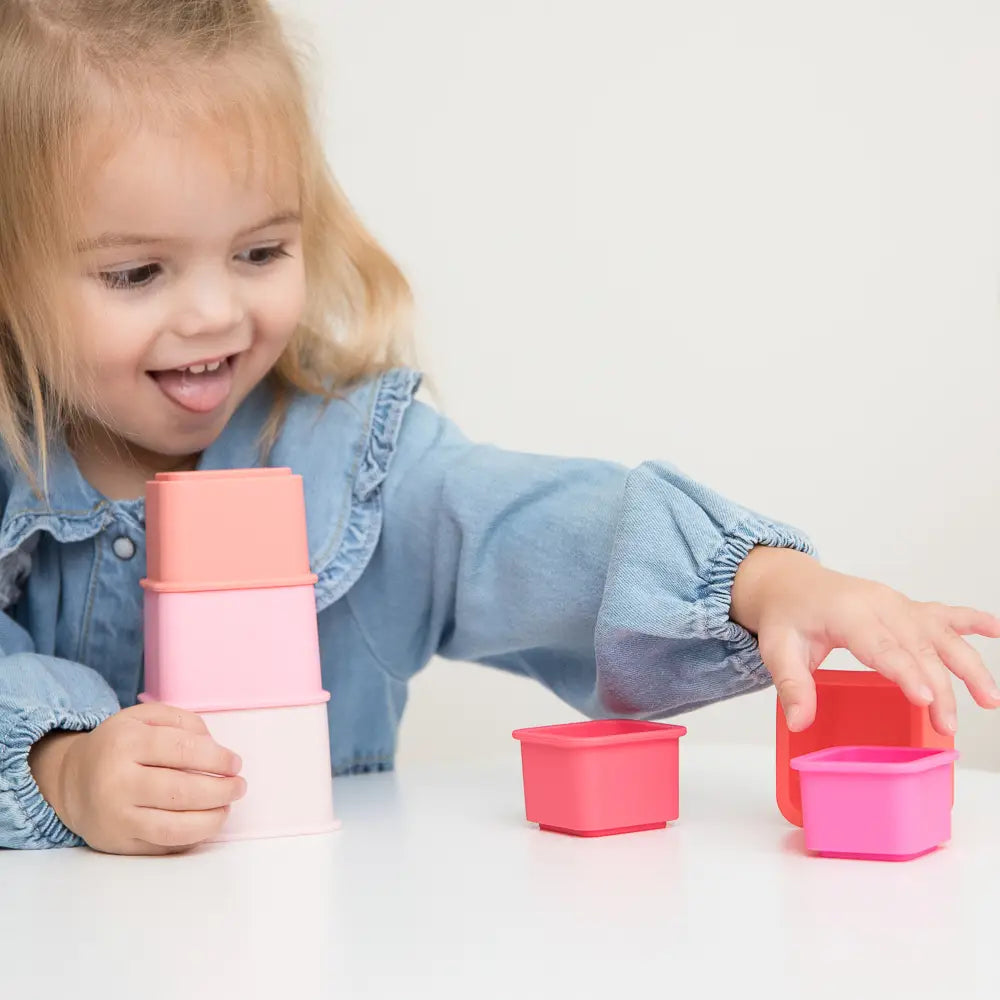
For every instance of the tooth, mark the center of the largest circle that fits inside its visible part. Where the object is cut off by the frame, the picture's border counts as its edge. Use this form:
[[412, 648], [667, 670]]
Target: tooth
[[196, 369], [214, 366]]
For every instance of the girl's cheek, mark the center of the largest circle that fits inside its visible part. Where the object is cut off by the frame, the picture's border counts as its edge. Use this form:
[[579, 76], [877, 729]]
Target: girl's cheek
[[285, 314], [116, 333]]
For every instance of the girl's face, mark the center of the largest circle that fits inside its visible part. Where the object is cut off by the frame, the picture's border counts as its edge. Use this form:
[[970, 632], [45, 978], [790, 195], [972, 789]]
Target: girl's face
[[190, 283]]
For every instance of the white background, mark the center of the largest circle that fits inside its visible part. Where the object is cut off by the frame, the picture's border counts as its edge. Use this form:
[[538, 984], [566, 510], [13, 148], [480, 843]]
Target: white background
[[757, 239]]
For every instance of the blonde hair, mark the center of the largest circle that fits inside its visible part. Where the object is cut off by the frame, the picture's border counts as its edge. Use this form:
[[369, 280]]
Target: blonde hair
[[59, 60]]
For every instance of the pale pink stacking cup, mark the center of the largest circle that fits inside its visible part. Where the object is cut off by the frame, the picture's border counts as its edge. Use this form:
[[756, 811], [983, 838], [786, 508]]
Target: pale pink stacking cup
[[230, 633]]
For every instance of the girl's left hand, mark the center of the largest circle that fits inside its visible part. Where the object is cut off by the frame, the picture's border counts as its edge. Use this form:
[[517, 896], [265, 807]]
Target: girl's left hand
[[800, 611]]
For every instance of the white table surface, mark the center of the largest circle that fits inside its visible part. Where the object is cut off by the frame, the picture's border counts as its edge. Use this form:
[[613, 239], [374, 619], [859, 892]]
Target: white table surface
[[437, 886]]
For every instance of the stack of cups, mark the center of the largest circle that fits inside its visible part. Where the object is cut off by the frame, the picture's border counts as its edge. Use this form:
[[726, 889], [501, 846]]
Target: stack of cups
[[230, 633]]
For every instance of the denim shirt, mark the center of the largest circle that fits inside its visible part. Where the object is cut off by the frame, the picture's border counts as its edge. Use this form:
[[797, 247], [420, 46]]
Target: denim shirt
[[609, 586]]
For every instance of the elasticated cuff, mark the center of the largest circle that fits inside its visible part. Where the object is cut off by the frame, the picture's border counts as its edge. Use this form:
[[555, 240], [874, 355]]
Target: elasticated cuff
[[35, 824], [716, 606]]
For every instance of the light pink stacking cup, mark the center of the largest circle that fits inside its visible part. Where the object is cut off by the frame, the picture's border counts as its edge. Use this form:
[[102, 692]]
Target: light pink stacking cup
[[230, 633], [212, 650]]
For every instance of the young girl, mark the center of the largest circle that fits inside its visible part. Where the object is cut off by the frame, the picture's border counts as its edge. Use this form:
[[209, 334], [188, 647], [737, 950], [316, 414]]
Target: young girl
[[183, 286]]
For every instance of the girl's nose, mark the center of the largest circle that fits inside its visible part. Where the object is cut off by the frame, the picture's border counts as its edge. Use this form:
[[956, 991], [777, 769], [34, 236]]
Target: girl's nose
[[210, 305]]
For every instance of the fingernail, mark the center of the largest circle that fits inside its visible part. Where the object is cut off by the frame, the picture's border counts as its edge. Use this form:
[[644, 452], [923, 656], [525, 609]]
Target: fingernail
[[925, 694], [793, 717], [994, 693], [237, 763], [950, 723]]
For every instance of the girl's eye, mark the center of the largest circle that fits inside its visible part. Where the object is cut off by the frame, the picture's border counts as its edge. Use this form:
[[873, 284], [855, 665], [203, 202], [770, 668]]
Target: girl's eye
[[259, 256], [138, 277], [133, 277]]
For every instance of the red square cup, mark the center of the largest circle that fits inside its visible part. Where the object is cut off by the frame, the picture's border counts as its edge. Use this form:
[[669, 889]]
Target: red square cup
[[853, 708]]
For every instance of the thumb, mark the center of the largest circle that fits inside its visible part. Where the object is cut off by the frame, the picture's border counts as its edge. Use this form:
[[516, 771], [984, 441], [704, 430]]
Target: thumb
[[787, 660]]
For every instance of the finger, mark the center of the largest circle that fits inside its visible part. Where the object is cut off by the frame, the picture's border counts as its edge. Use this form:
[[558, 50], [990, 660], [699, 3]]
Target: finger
[[185, 751], [155, 713], [918, 643], [166, 788], [165, 828], [787, 661], [967, 665], [943, 712], [877, 647], [133, 848], [969, 621]]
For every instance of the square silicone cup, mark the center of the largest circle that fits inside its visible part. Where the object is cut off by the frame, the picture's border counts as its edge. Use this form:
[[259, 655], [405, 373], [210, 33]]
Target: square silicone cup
[[853, 707], [286, 763], [221, 530], [225, 649], [879, 803], [593, 779]]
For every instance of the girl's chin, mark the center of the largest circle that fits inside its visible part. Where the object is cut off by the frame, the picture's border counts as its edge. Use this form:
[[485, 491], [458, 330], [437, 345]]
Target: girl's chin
[[164, 445]]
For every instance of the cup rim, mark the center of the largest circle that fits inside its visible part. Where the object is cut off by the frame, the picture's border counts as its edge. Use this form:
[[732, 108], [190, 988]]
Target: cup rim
[[194, 586], [264, 705], [579, 735], [830, 760], [202, 475]]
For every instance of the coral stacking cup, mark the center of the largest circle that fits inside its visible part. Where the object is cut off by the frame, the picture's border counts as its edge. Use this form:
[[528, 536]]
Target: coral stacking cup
[[230, 608], [234, 529], [231, 633]]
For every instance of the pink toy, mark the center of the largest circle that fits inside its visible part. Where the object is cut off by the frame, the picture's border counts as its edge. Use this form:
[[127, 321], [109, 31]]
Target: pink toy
[[221, 649], [230, 632], [286, 763], [876, 802], [592, 779], [853, 708], [223, 530]]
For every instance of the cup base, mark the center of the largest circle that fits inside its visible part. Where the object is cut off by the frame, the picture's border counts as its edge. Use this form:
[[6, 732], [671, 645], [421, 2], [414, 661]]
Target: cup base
[[603, 833], [278, 832], [875, 857], [210, 707]]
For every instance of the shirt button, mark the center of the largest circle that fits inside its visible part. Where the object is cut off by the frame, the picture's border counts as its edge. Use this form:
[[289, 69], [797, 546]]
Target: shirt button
[[123, 547]]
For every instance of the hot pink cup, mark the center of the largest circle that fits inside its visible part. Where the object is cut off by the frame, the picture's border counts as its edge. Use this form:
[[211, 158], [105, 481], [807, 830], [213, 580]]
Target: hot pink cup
[[876, 802]]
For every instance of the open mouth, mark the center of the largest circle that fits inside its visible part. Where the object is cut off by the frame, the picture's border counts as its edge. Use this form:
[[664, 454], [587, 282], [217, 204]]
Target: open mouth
[[198, 388]]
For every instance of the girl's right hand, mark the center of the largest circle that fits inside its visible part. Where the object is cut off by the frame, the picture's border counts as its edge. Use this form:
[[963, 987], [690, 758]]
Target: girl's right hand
[[148, 780]]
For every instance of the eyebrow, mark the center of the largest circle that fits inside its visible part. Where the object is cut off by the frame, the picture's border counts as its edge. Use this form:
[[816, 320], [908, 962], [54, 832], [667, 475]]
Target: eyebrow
[[109, 240]]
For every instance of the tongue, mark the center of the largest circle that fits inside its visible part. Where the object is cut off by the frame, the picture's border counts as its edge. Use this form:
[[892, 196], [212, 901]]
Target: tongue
[[198, 393]]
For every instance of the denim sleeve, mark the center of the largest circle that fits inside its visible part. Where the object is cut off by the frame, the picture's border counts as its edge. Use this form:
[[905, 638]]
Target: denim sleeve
[[37, 695], [609, 586]]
